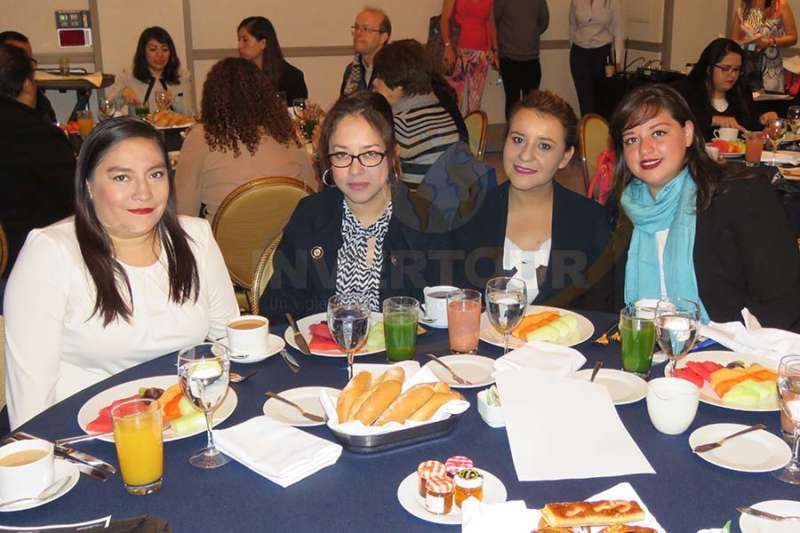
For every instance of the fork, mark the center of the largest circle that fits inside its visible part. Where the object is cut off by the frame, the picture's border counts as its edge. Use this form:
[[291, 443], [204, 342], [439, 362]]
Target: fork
[[238, 378], [765, 514], [458, 379], [310, 416]]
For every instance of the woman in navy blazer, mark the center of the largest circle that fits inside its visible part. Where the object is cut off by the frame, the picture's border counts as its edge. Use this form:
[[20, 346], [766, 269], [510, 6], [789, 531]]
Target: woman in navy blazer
[[532, 227]]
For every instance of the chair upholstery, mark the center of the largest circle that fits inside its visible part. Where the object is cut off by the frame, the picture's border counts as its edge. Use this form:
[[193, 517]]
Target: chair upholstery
[[593, 138], [3, 251], [250, 218], [476, 127], [262, 274]]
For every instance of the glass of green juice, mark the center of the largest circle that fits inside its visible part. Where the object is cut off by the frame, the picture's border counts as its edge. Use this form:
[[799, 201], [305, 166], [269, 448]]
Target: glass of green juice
[[638, 333], [400, 315]]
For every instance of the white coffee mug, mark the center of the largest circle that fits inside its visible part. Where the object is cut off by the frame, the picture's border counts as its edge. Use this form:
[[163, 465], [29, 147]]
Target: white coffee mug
[[26, 469], [713, 152], [672, 404], [248, 337], [435, 306], [726, 134]]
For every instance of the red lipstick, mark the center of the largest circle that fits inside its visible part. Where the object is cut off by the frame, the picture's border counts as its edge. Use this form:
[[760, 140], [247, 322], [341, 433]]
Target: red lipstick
[[141, 211]]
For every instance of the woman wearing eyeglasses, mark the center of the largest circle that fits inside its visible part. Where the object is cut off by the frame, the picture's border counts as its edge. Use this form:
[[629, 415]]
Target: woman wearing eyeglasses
[[716, 94], [348, 238]]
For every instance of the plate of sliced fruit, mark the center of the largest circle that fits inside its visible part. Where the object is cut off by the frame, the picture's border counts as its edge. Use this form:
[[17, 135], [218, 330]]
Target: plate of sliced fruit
[[733, 380], [320, 341], [184, 419], [729, 149], [542, 323]]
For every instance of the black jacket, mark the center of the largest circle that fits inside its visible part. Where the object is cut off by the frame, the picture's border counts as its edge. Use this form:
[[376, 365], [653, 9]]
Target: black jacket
[[740, 107], [305, 261], [745, 255], [293, 83], [37, 169], [580, 233]]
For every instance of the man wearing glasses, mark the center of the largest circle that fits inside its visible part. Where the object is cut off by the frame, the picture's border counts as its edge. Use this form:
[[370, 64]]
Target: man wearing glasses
[[371, 31]]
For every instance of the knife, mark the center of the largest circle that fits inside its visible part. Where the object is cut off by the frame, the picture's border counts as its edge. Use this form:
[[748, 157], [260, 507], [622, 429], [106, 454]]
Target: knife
[[85, 469], [298, 337], [290, 361], [83, 457]]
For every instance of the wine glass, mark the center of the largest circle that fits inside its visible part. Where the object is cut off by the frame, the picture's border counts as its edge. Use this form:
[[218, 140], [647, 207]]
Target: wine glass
[[203, 372], [789, 397], [506, 299], [348, 320], [107, 108], [676, 326], [793, 118], [776, 129], [162, 100], [298, 106]]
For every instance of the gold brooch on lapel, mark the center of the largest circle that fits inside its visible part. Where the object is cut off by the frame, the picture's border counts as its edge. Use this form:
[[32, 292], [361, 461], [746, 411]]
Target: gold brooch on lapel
[[317, 252]]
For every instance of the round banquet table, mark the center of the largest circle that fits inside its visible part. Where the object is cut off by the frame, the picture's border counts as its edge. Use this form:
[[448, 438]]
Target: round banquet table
[[359, 492]]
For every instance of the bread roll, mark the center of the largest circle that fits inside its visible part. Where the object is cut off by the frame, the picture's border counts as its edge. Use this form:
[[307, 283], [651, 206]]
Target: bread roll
[[377, 400], [599, 513], [441, 386], [406, 404], [622, 528], [357, 386], [395, 373], [431, 406]]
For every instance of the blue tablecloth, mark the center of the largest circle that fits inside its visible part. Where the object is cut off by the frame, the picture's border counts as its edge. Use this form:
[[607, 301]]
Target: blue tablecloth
[[359, 493]]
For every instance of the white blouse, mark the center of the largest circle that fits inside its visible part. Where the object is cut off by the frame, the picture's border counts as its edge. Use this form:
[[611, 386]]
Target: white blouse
[[526, 262], [182, 92], [596, 23], [56, 347]]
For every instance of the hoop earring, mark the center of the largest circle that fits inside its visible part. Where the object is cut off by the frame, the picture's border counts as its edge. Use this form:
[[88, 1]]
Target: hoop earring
[[326, 174]]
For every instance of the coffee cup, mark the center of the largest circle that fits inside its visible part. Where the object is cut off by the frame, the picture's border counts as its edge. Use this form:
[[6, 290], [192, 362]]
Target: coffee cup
[[672, 404], [435, 306], [713, 152], [26, 469], [248, 337], [726, 134]]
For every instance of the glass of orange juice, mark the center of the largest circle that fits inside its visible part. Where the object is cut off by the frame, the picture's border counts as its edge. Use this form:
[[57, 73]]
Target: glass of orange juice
[[140, 449], [464, 320], [85, 122]]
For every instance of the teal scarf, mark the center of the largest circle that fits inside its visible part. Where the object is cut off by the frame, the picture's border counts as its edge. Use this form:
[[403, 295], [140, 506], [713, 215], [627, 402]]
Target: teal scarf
[[674, 208]]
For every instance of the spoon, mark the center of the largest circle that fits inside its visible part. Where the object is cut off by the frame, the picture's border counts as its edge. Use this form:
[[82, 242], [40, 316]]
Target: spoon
[[51, 490]]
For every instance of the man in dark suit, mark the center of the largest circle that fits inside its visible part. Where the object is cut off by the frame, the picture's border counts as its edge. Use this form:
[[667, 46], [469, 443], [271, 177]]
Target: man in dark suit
[[37, 164], [14, 38]]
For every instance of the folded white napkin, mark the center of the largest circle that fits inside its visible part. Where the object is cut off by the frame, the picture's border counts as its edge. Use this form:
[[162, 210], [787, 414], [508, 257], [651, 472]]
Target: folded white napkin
[[544, 356], [749, 336], [508, 517], [781, 156], [585, 436], [281, 453]]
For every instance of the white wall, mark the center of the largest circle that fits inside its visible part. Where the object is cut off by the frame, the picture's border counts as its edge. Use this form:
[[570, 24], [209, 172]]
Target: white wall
[[691, 33]]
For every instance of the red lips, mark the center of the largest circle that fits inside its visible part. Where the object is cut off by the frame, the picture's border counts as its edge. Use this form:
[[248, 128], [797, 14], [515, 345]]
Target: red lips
[[649, 164], [524, 170], [141, 211]]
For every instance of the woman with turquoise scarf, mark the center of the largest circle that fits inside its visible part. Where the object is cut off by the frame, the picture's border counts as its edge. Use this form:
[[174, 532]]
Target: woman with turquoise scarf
[[693, 228]]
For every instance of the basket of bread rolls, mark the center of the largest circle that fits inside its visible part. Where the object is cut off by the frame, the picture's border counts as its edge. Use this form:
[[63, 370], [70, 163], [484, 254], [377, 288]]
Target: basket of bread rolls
[[383, 407]]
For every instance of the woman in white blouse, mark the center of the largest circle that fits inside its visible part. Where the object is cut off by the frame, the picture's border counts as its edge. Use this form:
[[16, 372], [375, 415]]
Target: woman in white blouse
[[595, 31], [123, 281]]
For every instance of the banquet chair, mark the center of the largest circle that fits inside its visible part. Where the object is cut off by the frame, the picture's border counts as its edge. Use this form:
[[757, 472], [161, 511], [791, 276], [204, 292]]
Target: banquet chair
[[593, 137], [248, 220], [476, 127], [3, 251], [262, 274]]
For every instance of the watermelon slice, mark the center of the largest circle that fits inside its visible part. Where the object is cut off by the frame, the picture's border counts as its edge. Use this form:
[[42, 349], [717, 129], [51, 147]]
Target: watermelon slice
[[102, 423], [711, 366], [320, 330], [687, 374], [320, 344], [700, 369]]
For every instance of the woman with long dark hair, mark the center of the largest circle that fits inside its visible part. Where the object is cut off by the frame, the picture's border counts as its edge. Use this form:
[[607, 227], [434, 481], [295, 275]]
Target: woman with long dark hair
[[693, 228], [123, 281], [245, 133], [715, 92], [156, 67], [258, 43]]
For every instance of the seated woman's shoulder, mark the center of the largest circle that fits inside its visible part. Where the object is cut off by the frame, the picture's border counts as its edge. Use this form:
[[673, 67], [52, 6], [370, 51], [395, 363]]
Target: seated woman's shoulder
[[197, 228], [581, 203]]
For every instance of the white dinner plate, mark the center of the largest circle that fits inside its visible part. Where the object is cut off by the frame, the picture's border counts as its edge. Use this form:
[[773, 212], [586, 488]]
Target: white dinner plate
[[475, 368], [707, 393], [490, 335], [753, 524], [757, 451], [61, 469], [305, 397], [408, 494], [276, 344], [92, 407], [623, 387], [732, 155], [304, 323]]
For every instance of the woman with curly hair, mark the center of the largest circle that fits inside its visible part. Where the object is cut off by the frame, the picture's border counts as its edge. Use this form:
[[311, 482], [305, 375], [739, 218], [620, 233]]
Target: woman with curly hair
[[156, 67], [258, 43], [245, 133]]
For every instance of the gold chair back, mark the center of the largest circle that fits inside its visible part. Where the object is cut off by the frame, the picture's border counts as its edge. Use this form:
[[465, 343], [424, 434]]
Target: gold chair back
[[476, 122], [250, 218], [3, 251], [593, 137], [262, 274]]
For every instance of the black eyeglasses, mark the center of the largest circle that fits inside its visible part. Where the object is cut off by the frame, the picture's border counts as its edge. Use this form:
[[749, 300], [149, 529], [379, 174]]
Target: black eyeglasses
[[371, 158], [729, 68], [364, 29]]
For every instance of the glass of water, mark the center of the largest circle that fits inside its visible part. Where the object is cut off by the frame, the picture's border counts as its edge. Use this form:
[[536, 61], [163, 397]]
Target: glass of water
[[676, 326], [506, 299], [789, 397], [348, 320], [204, 374]]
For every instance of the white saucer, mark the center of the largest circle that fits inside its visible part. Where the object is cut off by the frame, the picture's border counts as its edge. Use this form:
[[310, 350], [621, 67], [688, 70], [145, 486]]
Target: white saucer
[[408, 494], [475, 368], [276, 344], [305, 397], [752, 524], [61, 469], [623, 387], [758, 451]]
